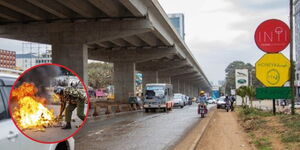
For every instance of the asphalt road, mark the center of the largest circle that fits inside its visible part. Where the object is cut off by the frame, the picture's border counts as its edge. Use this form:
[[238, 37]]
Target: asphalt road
[[54, 134], [136, 130]]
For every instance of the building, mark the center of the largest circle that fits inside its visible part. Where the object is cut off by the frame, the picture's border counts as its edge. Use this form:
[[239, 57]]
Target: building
[[7, 59], [178, 22], [25, 61], [44, 58], [297, 46]]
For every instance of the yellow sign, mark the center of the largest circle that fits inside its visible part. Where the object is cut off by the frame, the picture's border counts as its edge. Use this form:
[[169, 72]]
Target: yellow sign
[[273, 70]]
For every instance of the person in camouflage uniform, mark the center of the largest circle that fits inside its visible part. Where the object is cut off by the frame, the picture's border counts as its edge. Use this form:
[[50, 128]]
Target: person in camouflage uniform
[[74, 98]]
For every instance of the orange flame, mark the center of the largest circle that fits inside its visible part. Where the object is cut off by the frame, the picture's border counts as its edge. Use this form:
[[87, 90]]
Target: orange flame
[[30, 112]]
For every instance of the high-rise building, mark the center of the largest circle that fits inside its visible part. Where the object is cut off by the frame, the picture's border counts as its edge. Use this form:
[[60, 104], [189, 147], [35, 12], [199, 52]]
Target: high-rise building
[[25, 61], [178, 22], [7, 59]]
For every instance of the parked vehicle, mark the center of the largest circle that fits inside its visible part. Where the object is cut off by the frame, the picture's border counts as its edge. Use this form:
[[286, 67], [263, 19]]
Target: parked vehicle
[[178, 100], [10, 137], [158, 96], [211, 101], [221, 102]]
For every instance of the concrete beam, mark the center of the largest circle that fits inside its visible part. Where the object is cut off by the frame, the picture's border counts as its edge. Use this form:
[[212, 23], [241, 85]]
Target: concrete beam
[[89, 32], [51, 7], [149, 39], [160, 65], [136, 7], [136, 55], [81, 7], [109, 7], [23, 8], [187, 76], [179, 71], [134, 40]]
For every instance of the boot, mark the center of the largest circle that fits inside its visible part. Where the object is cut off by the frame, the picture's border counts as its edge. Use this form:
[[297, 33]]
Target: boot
[[68, 126]]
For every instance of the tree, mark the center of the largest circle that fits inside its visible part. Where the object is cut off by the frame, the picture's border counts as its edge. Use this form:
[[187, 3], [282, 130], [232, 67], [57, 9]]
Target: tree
[[242, 92], [230, 75], [100, 74], [250, 92]]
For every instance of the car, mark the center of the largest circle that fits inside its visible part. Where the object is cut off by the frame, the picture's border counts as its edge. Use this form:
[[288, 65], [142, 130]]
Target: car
[[178, 100], [297, 105], [221, 102], [10, 137], [211, 101]]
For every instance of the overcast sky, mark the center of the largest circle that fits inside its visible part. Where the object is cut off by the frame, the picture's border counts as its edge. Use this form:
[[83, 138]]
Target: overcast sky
[[221, 31], [217, 31]]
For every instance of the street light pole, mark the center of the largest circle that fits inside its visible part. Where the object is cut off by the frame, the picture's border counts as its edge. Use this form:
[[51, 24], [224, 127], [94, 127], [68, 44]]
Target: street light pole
[[292, 72]]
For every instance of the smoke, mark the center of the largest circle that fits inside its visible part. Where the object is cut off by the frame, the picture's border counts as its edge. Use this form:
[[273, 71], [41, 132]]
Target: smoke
[[41, 76]]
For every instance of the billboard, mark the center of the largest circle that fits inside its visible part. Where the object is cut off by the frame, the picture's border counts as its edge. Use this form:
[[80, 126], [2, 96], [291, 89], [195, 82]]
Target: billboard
[[241, 78]]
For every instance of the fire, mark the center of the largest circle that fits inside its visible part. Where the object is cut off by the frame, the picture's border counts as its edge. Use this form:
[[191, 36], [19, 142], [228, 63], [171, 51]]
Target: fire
[[30, 112], [55, 98]]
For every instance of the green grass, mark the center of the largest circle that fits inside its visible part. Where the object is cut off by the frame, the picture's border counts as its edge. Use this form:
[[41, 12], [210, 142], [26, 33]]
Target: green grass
[[253, 112], [263, 144], [292, 135]]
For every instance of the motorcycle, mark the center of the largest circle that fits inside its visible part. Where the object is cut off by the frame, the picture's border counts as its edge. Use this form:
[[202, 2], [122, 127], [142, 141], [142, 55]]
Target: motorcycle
[[202, 110], [227, 107]]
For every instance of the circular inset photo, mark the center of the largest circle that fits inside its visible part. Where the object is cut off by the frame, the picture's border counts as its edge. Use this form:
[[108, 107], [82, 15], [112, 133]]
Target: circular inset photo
[[49, 103]]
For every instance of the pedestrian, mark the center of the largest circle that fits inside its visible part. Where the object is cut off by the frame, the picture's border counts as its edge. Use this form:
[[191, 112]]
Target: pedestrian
[[75, 99]]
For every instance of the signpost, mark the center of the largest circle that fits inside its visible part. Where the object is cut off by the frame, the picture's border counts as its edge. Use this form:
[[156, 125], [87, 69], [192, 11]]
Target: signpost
[[272, 36], [273, 73], [273, 93]]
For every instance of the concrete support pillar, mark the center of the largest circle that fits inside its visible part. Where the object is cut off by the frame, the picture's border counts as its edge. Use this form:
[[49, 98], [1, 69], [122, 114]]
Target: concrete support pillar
[[71, 54], [124, 81], [149, 77], [181, 86], [175, 84], [186, 87]]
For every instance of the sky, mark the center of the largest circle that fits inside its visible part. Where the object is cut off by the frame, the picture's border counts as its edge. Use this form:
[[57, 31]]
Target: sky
[[217, 32]]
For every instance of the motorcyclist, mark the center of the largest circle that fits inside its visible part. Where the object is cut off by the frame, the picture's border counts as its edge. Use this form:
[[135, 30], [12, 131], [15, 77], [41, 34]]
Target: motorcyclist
[[227, 101], [202, 100], [232, 100]]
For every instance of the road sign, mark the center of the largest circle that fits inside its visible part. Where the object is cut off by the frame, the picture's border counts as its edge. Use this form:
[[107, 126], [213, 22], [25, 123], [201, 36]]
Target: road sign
[[272, 36], [241, 78], [272, 69], [273, 93]]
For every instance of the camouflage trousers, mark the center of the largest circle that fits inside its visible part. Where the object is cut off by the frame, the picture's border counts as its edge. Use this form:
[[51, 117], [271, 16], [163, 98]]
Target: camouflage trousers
[[70, 108]]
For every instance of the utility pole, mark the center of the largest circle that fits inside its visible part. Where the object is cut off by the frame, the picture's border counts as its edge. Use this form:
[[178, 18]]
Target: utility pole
[[292, 72]]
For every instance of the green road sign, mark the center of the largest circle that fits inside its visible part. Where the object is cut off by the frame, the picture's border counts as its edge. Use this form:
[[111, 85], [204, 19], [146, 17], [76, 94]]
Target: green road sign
[[273, 93]]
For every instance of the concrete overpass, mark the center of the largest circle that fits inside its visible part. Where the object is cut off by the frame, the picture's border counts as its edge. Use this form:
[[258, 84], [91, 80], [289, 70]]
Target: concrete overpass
[[135, 35]]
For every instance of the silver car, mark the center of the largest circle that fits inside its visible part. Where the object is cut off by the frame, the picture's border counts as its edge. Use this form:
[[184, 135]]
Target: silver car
[[179, 100], [10, 137]]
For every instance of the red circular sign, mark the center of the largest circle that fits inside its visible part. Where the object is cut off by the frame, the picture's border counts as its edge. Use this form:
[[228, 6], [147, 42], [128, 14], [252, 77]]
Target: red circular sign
[[272, 36]]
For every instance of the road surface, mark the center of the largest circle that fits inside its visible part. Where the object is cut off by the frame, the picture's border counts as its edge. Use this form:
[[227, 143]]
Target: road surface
[[137, 130], [54, 134]]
